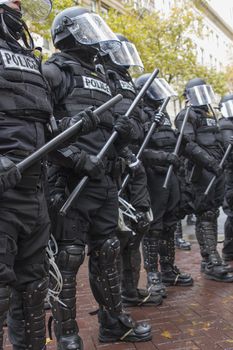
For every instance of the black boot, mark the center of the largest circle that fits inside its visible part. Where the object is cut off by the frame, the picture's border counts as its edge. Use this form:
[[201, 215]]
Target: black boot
[[26, 317], [180, 242], [122, 328], [131, 295], [199, 236], [227, 251], [105, 284], [214, 269], [150, 254], [4, 306], [171, 275]]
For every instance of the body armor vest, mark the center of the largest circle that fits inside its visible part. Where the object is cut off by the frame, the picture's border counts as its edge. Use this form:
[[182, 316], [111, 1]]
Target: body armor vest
[[164, 137], [24, 92], [207, 131], [85, 87]]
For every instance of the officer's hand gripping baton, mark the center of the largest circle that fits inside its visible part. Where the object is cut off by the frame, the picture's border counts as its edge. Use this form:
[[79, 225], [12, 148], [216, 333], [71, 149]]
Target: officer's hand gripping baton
[[226, 154], [177, 148], [112, 138], [65, 135], [145, 142]]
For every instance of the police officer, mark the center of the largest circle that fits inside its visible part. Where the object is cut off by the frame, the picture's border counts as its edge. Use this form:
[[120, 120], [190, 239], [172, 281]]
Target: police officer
[[118, 65], [76, 84], [204, 148], [226, 127], [156, 157], [24, 229]]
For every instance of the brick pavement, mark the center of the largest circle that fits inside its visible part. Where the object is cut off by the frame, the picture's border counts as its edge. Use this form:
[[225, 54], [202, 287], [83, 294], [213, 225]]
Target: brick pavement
[[198, 317]]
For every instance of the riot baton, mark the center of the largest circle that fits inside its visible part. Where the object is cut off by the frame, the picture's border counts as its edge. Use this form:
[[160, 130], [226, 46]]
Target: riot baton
[[177, 148], [110, 141], [145, 142], [224, 158], [65, 135]]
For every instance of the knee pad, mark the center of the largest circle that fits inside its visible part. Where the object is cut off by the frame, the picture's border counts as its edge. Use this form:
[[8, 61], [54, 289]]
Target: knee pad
[[209, 215], [109, 251], [70, 257]]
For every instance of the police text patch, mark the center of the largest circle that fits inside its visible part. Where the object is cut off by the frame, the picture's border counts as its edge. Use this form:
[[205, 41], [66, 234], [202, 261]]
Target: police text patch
[[12, 60], [127, 85], [94, 84], [211, 122]]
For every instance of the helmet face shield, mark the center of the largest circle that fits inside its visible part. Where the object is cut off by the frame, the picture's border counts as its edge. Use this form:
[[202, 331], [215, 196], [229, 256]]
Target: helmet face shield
[[34, 10], [227, 109], [90, 29], [160, 89], [127, 56], [201, 95]]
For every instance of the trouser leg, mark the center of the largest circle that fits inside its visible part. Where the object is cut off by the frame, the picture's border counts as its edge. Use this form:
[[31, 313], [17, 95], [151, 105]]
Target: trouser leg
[[171, 275], [69, 259], [4, 306]]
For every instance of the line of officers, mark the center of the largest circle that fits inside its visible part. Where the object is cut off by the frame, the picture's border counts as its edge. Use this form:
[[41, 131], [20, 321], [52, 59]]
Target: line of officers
[[91, 65]]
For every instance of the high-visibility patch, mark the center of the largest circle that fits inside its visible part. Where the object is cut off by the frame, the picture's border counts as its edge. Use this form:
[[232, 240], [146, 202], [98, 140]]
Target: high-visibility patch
[[167, 122], [211, 122], [12, 60], [94, 84], [125, 85]]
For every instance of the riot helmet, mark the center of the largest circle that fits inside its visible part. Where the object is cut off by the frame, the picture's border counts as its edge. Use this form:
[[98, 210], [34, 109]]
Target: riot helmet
[[158, 91], [127, 56], [226, 106], [12, 25], [198, 93], [77, 27]]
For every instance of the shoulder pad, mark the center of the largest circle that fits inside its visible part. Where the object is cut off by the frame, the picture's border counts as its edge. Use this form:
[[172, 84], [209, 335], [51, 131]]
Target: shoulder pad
[[52, 74]]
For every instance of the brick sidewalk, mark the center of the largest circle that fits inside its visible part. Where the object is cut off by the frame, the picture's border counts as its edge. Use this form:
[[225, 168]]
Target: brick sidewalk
[[198, 317]]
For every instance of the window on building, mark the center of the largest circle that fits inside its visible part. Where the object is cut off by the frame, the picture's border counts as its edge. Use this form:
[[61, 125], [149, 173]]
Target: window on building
[[93, 5], [211, 60]]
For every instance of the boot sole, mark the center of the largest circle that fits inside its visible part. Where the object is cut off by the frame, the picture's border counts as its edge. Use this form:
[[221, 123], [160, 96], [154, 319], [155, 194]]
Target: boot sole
[[178, 284], [127, 339], [216, 279]]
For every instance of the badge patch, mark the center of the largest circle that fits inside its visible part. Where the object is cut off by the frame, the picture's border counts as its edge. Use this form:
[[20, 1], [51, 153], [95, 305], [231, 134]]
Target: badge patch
[[167, 122], [211, 122], [125, 85], [94, 84], [12, 60]]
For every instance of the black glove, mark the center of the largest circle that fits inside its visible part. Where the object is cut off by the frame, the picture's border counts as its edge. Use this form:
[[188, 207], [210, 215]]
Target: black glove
[[213, 167], [124, 128], [89, 165], [58, 198], [143, 222], [90, 121], [159, 118], [9, 174], [173, 160]]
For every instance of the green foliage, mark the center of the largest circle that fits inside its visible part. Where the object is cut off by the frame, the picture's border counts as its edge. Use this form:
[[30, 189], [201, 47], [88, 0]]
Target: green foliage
[[162, 41]]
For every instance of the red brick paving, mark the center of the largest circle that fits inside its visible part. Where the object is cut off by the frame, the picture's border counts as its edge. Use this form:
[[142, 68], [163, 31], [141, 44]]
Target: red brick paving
[[197, 317]]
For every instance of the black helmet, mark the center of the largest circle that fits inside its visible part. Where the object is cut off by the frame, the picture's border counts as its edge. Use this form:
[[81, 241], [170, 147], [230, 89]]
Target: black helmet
[[158, 90], [78, 27], [59, 30], [127, 55], [226, 106], [225, 98], [193, 82]]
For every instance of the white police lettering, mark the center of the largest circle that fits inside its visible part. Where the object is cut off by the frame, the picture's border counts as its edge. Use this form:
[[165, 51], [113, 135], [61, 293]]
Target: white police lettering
[[17, 61], [127, 85], [94, 84], [211, 122], [167, 122]]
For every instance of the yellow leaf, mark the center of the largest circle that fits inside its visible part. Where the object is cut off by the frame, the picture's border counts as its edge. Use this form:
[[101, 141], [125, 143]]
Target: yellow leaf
[[167, 334]]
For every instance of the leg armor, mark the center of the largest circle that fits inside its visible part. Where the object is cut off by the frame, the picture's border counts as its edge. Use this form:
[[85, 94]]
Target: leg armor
[[26, 318], [4, 306], [180, 242], [150, 249], [105, 285], [171, 275], [227, 251], [214, 268], [69, 259]]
